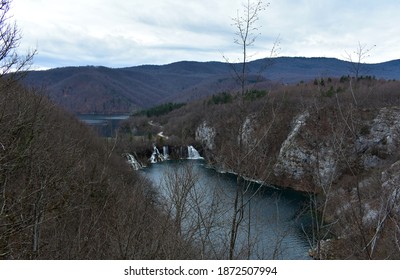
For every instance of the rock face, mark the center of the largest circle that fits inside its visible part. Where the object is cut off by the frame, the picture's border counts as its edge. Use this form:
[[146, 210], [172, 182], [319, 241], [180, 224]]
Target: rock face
[[380, 138], [321, 146], [293, 159], [314, 156], [301, 161], [356, 166], [320, 160], [205, 134], [247, 131]]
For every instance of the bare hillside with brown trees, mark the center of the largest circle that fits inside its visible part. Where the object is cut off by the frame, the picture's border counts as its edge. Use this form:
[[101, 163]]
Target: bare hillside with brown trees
[[65, 194], [104, 90]]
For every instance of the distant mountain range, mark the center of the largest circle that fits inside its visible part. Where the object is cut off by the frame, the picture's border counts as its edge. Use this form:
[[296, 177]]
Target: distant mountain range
[[110, 91]]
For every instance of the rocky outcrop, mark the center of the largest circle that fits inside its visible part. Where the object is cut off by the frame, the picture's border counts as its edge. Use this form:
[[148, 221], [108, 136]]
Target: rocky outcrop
[[380, 138], [247, 131], [293, 160], [302, 164], [316, 158], [205, 134], [313, 157], [356, 167]]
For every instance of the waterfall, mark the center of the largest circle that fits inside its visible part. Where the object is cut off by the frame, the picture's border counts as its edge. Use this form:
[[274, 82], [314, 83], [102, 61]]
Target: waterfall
[[165, 152], [181, 153], [193, 153], [156, 156], [135, 164]]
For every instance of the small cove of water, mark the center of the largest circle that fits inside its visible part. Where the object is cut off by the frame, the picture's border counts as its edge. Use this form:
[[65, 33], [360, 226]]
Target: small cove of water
[[272, 226], [105, 125]]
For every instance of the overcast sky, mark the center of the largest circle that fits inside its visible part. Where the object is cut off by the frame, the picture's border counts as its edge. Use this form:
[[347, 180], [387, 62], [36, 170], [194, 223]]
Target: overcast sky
[[121, 33]]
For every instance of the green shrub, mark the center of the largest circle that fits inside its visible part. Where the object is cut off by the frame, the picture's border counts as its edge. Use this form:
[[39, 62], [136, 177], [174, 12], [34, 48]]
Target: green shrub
[[221, 98]]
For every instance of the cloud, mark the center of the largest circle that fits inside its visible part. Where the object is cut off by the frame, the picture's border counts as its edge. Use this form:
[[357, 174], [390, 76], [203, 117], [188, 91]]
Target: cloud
[[124, 33], [329, 28]]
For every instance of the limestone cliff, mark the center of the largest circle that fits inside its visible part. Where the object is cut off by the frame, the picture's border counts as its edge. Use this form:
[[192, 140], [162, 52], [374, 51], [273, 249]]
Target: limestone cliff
[[349, 156]]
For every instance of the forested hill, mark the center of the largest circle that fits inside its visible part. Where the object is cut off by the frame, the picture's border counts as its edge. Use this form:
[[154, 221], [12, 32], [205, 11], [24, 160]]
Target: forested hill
[[66, 194], [104, 90]]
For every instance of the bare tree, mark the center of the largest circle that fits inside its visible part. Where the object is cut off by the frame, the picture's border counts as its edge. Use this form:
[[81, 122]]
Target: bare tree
[[247, 31], [10, 36], [193, 208], [357, 58], [247, 28], [179, 184]]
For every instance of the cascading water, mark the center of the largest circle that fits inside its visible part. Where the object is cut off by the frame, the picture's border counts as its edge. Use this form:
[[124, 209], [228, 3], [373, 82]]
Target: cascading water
[[193, 153], [135, 164], [165, 153], [156, 156]]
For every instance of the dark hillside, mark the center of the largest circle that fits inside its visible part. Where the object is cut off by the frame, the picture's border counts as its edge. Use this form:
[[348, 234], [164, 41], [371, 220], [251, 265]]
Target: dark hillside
[[104, 90], [65, 194]]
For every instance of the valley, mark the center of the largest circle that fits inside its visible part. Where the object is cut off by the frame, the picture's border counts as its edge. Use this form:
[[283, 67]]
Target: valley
[[334, 140], [253, 157]]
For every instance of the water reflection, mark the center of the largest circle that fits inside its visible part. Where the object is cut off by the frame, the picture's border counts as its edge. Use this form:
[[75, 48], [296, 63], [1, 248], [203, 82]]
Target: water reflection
[[105, 125], [271, 226]]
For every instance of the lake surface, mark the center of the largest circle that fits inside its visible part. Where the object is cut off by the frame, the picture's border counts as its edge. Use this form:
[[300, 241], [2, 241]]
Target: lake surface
[[105, 125], [272, 221]]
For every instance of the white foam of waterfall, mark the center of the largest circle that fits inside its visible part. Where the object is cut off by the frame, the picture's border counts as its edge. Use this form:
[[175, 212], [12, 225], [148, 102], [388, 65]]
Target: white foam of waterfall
[[135, 164], [156, 156], [165, 152], [193, 153]]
